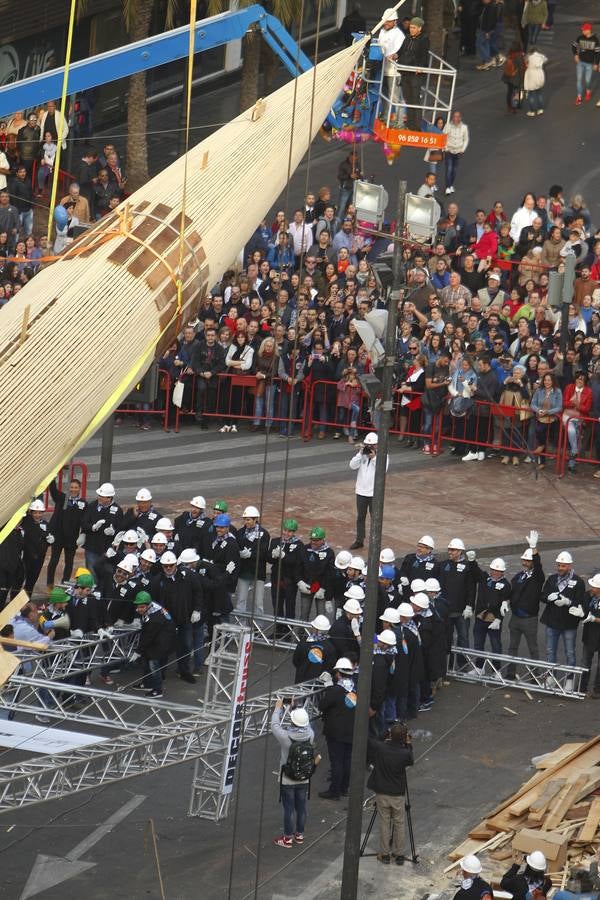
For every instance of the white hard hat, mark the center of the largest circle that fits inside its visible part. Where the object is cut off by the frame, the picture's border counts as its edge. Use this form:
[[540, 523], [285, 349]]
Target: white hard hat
[[344, 665], [387, 556], [427, 540], [565, 557], [456, 544], [370, 438], [470, 864], [353, 607], [390, 615], [420, 600], [354, 592], [106, 490], [159, 538], [537, 861], [433, 585], [321, 623], [594, 581], [417, 585], [143, 494], [199, 502], [342, 560], [37, 506], [387, 637], [406, 611], [498, 564], [251, 512], [299, 717], [188, 555], [149, 555], [168, 559], [128, 564], [527, 554], [390, 15], [130, 537], [164, 524], [357, 562]]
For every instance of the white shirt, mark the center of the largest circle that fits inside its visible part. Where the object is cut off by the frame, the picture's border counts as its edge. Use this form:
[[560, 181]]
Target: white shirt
[[3, 165], [458, 137], [523, 218], [302, 237], [390, 42], [365, 476]]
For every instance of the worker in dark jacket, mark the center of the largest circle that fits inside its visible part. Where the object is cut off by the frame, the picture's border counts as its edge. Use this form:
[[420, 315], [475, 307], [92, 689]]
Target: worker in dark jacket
[[591, 634], [458, 586], [525, 602], [472, 886], [316, 653], [100, 522], [390, 759], [384, 664], [433, 647], [65, 524], [414, 52], [338, 705], [224, 553], [285, 556], [421, 564], [143, 516], [493, 589], [179, 592], [83, 609], [317, 573], [345, 631], [36, 538], [157, 636], [11, 565], [54, 617], [522, 880], [564, 596], [253, 541], [192, 527]]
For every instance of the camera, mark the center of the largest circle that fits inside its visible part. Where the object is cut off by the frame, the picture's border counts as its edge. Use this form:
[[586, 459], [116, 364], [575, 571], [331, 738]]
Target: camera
[[367, 451]]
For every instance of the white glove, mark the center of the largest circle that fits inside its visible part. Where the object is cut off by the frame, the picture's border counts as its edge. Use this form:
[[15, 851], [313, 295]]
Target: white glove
[[50, 538], [142, 536], [325, 678], [504, 607], [404, 581], [119, 623], [468, 612], [118, 538], [77, 633], [466, 391], [245, 553], [561, 601], [552, 597], [320, 594], [276, 552], [195, 617], [303, 587], [452, 390], [532, 539], [104, 633], [495, 625], [589, 618], [110, 552], [134, 657], [355, 626], [577, 611], [109, 531], [98, 525], [471, 555], [80, 540], [137, 624], [230, 567]]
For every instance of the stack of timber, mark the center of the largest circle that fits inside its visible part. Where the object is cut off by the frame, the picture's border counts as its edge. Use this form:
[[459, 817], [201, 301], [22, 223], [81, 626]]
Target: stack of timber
[[557, 811]]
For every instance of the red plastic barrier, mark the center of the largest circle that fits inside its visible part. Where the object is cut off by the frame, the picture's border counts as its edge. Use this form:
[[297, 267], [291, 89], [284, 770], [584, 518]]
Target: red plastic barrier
[[588, 443], [164, 393]]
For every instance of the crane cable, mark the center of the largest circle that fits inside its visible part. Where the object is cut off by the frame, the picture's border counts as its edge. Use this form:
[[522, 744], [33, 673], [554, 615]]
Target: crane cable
[[188, 108]]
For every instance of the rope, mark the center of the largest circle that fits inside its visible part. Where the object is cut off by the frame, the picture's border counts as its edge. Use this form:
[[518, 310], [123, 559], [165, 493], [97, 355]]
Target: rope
[[188, 105], [61, 118]]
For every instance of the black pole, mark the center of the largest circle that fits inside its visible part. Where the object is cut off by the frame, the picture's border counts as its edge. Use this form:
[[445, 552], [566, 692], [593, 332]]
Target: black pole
[[106, 451], [567, 298], [361, 720]]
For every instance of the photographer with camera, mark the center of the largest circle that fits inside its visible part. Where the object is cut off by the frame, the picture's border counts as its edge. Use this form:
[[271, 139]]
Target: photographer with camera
[[363, 462], [297, 764], [390, 759]]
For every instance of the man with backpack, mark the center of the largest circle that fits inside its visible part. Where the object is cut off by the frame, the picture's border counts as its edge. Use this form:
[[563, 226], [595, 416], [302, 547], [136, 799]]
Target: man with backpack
[[297, 763]]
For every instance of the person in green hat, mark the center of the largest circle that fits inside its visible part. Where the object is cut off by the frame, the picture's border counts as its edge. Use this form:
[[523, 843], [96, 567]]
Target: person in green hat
[[84, 608], [220, 506], [317, 575], [285, 556], [55, 617], [157, 637]]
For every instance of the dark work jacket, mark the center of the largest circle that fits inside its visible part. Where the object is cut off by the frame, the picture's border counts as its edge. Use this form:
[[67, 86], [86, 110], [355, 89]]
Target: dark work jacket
[[146, 520], [84, 613], [35, 543], [11, 552], [338, 709], [342, 637], [591, 631], [157, 634], [414, 52], [515, 883], [526, 592], [384, 665], [119, 601], [259, 549], [409, 667], [193, 532], [225, 554], [97, 541], [433, 644], [287, 566], [180, 595], [65, 522], [312, 658], [559, 616], [390, 762], [317, 566], [413, 568], [478, 890], [490, 593]]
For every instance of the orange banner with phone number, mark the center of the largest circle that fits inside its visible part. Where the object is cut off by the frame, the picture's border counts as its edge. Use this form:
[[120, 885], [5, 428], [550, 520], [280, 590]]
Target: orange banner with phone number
[[428, 140]]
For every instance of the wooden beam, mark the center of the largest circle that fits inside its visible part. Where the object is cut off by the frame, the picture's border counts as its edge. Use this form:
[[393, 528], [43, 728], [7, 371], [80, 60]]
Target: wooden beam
[[563, 802], [13, 608], [27, 645], [590, 828]]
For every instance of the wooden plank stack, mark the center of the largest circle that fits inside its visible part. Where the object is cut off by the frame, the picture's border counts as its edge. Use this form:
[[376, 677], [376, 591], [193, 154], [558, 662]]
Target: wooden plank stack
[[557, 811]]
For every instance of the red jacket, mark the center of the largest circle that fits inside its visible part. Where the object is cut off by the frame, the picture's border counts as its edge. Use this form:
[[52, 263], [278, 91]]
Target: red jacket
[[585, 402], [487, 245]]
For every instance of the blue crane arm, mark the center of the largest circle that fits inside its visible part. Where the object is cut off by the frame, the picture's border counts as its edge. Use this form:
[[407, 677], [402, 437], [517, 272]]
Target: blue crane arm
[[151, 52]]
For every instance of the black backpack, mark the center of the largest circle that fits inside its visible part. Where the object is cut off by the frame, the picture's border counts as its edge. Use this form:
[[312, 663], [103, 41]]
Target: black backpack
[[300, 763]]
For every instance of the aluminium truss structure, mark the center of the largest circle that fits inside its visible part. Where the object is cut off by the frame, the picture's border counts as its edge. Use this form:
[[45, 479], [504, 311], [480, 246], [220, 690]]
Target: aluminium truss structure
[[72, 656], [535, 675], [267, 631]]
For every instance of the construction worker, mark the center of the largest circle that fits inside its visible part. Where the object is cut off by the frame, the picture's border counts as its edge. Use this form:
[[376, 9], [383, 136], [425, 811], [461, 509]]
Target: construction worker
[[458, 586], [422, 563], [100, 522], [157, 637], [224, 553], [253, 541], [564, 596], [527, 877], [83, 608], [472, 886], [36, 539], [181, 595], [591, 635], [339, 578], [433, 647], [317, 574], [525, 603], [285, 556], [493, 590], [316, 653], [384, 664], [64, 524], [54, 617], [192, 527], [345, 631], [143, 516], [11, 564], [338, 704]]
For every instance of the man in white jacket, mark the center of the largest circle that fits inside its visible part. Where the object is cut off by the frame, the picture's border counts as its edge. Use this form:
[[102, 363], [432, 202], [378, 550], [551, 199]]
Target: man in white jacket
[[363, 462], [390, 40], [457, 143]]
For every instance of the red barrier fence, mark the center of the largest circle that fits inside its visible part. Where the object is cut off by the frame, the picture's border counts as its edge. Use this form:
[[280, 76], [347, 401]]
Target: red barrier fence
[[584, 433], [160, 407]]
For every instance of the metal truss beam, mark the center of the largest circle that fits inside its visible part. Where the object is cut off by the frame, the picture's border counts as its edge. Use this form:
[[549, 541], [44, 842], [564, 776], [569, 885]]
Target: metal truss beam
[[71, 656], [535, 675], [267, 631]]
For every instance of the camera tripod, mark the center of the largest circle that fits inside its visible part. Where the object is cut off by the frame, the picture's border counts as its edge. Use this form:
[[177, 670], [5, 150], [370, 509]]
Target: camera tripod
[[414, 857]]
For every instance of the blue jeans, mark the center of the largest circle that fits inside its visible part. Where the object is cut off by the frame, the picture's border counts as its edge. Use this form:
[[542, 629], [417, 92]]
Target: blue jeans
[[185, 647], [583, 72], [198, 639], [533, 33], [451, 168], [486, 46], [535, 100], [26, 220], [462, 630], [480, 630], [293, 798], [95, 562], [259, 407], [553, 636], [153, 675]]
